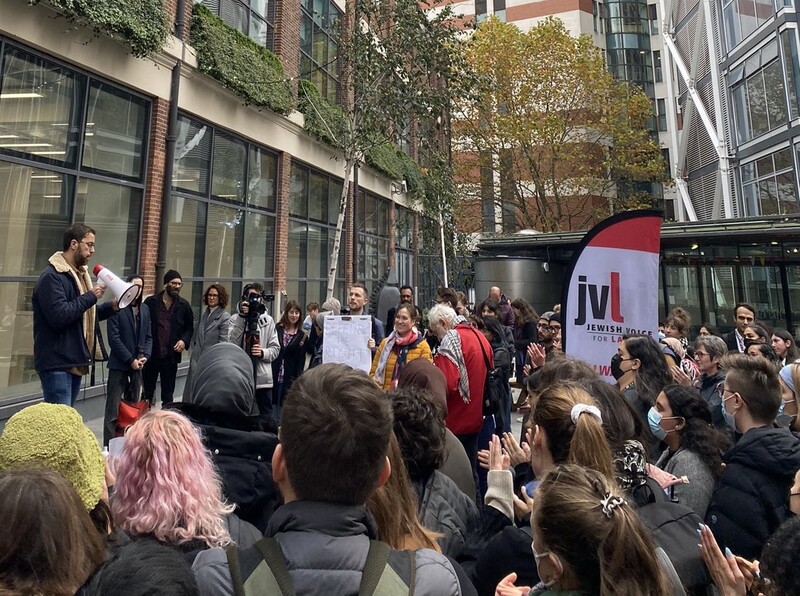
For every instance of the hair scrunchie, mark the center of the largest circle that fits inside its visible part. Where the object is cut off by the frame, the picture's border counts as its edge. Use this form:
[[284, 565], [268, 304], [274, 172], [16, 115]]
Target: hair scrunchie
[[579, 409]]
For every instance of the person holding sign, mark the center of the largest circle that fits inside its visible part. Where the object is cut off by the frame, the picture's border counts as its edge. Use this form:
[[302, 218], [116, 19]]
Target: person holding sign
[[404, 344]]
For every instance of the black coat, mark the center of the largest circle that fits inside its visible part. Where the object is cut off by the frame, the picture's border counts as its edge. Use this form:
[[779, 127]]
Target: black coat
[[730, 341], [242, 454], [292, 356], [509, 551], [126, 341], [752, 498], [182, 326]]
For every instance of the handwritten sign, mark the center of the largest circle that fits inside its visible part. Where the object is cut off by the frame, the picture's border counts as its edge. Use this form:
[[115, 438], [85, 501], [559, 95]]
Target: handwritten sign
[[345, 339]]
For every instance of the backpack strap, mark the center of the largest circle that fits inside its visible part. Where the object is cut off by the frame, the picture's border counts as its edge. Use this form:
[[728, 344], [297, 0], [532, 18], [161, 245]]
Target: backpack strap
[[483, 351], [236, 571], [276, 562], [377, 560], [412, 571]]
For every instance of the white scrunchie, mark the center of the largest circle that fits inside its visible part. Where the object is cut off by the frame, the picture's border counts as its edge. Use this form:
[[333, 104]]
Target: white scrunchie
[[579, 409]]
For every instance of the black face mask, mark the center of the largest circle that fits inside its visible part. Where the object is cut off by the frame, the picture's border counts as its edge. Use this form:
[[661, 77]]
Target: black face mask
[[750, 342], [616, 367]]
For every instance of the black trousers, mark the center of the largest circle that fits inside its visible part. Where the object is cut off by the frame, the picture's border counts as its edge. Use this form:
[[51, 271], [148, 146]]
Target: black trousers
[[115, 386], [168, 370], [264, 402]]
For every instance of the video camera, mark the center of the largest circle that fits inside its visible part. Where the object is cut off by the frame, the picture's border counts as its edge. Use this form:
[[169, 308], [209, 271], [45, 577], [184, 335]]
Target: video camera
[[256, 303]]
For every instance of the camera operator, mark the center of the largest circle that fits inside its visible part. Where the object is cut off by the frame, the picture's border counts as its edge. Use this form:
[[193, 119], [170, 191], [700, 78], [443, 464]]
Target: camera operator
[[253, 330]]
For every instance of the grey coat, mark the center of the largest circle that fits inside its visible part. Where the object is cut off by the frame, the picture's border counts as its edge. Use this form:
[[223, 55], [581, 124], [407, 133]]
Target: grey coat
[[697, 493], [212, 328], [325, 546], [445, 509]]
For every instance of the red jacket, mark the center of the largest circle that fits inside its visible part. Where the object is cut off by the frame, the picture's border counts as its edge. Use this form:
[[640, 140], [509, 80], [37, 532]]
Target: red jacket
[[466, 418]]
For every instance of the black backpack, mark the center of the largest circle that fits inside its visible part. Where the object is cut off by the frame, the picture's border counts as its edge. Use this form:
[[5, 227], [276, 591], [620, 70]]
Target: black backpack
[[674, 528], [494, 389]]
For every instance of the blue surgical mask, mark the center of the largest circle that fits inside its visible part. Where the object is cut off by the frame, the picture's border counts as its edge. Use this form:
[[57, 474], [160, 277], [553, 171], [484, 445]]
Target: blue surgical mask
[[661, 335], [654, 420], [730, 419]]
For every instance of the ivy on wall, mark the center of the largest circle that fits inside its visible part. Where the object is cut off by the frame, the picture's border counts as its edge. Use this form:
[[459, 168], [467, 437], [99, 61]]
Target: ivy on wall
[[143, 24], [240, 64], [323, 120]]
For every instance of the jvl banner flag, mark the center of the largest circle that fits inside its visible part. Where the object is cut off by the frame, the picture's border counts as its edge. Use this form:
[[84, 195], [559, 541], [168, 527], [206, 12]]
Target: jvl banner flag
[[611, 289]]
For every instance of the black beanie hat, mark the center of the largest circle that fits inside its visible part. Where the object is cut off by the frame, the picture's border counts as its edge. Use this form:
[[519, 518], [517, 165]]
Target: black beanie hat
[[170, 275]]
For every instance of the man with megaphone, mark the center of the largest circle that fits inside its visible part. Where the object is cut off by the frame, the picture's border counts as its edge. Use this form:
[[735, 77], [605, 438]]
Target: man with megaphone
[[65, 315]]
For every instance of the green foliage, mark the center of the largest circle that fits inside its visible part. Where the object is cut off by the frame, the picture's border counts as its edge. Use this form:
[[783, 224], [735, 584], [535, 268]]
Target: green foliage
[[386, 159], [240, 64], [323, 120], [143, 24]]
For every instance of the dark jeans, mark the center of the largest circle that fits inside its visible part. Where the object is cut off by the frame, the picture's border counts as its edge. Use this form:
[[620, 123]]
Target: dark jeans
[[264, 401], [470, 443], [60, 387], [489, 428], [152, 369]]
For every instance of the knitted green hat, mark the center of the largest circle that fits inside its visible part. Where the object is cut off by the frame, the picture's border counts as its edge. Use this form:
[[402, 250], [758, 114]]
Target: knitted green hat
[[54, 436]]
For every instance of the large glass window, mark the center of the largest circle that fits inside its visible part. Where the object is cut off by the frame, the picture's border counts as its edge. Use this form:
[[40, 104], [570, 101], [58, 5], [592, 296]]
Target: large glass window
[[769, 185], [742, 17], [72, 149], [313, 211], [372, 227], [758, 91], [222, 219], [404, 245], [319, 52], [254, 18]]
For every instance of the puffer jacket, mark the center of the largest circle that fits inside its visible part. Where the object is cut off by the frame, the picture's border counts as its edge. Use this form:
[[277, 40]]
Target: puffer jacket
[[419, 348], [752, 498], [325, 546], [443, 508]]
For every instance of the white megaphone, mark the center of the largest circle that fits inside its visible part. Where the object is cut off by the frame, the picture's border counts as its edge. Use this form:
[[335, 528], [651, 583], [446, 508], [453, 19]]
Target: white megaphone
[[125, 292]]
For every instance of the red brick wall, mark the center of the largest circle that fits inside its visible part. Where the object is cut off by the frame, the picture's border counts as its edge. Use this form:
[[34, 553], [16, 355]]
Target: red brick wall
[[154, 189], [282, 226], [287, 38]]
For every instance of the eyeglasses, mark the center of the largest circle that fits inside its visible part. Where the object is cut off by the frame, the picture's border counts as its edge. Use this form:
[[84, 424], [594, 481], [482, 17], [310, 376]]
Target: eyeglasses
[[212, 296], [555, 329], [721, 390], [89, 244], [700, 354], [543, 326]]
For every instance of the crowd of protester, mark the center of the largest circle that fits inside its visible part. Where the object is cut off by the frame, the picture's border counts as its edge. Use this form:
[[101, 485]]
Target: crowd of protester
[[272, 476]]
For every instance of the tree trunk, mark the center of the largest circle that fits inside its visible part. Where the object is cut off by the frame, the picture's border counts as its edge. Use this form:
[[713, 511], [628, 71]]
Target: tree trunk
[[349, 163]]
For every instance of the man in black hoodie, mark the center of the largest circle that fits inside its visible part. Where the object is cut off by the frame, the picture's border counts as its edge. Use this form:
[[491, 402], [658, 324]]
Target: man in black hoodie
[[751, 500], [224, 408]]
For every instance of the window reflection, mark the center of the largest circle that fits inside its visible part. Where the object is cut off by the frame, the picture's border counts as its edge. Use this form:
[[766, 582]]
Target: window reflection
[[39, 108]]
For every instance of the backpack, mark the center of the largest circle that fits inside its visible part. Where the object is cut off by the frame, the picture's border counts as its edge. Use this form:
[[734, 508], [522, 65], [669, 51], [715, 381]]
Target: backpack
[[271, 576], [674, 528], [494, 390]]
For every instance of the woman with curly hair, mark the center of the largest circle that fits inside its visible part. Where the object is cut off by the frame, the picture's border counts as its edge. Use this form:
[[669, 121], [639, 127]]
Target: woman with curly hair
[[641, 373], [677, 325], [168, 488], [681, 420]]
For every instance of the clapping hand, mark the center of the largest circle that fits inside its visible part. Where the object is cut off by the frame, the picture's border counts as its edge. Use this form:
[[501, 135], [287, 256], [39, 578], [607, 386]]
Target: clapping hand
[[519, 454]]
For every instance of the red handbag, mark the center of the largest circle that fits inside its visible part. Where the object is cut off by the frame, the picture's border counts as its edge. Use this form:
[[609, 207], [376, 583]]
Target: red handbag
[[131, 406]]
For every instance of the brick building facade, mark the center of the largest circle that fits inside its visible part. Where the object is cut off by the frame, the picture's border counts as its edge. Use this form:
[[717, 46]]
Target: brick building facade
[[83, 138]]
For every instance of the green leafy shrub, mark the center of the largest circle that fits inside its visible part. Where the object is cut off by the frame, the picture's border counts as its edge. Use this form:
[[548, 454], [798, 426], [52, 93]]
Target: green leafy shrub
[[143, 24], [240, 64]]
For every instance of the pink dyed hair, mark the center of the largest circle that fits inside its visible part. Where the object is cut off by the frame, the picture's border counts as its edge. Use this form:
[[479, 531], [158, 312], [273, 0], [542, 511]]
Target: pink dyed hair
[[167, 485]]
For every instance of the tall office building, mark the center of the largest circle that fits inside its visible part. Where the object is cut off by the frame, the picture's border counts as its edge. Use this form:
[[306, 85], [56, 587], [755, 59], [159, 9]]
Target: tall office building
[[736, 81]]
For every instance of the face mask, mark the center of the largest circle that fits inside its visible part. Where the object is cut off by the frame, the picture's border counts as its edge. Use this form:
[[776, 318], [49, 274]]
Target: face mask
[[661, 335], [616, 367], [536, 557], [654, 420], [730, 419]]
